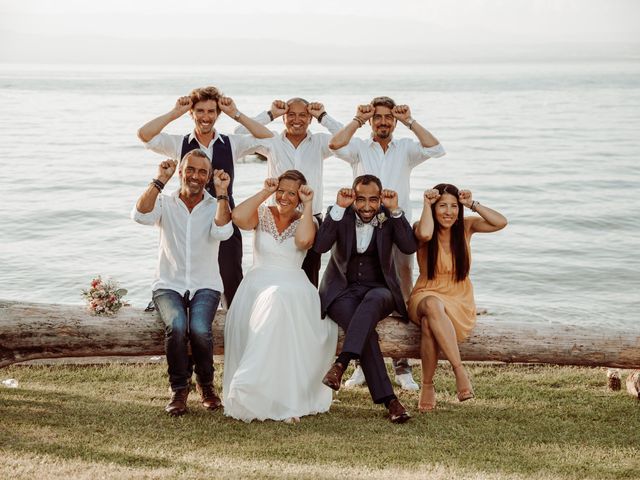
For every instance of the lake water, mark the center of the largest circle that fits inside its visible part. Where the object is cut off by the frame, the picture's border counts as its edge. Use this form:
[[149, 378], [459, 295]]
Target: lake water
[[555, 147]]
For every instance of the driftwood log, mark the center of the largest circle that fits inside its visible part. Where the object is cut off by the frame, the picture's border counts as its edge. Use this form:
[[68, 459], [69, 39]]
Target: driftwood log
[[32, 330]]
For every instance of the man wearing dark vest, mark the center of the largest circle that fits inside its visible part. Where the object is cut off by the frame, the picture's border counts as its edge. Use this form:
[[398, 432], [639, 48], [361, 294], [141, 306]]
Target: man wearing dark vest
[[360, 286], [204, 106]]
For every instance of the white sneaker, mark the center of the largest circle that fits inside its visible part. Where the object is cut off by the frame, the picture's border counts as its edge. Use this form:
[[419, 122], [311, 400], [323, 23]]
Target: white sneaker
[[406, 382], [356, 379]]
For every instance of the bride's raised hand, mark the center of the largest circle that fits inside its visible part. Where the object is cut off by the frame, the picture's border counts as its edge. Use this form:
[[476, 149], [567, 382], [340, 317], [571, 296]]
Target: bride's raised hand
[[270, 185], [306, 194]]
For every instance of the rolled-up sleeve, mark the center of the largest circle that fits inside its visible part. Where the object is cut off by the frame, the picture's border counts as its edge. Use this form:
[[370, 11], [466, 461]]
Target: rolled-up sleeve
[[168, 145], [151, 218], [221, 233], [418, 153]]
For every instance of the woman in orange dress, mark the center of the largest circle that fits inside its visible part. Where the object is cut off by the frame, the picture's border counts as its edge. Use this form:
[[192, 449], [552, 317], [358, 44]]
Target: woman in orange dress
[[441, 302]]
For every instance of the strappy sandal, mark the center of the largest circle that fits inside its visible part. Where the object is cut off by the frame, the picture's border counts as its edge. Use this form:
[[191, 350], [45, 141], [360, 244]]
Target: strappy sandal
[[427, 401]]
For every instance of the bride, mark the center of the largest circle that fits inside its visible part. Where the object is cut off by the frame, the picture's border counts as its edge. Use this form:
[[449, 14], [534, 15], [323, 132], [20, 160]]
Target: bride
[[277, 347]]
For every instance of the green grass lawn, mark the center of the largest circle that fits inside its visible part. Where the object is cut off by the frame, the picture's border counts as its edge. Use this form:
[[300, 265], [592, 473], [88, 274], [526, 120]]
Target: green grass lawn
[[533, 422]]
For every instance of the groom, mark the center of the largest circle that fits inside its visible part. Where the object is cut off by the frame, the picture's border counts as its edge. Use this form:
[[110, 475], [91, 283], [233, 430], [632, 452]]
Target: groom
[[360, 285]]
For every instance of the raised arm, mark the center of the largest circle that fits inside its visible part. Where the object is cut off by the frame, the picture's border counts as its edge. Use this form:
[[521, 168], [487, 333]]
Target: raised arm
[[245, 215], [328, 231], [488, 221], [403, 236], [403, 114], [221, 180], [317, 110], [423, 229], [228, 106], [344, 135], [147, 200], [306, 231], [155, 126]]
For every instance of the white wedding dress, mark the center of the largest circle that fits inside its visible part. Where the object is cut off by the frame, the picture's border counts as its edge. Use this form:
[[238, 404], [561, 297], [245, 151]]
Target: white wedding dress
[[277, 348]]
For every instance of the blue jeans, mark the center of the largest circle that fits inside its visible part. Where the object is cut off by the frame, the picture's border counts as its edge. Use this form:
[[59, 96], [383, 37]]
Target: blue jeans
[[188, 321]]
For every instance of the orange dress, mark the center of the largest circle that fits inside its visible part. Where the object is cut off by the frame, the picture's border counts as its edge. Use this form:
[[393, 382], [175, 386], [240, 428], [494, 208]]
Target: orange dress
[[456, 296]]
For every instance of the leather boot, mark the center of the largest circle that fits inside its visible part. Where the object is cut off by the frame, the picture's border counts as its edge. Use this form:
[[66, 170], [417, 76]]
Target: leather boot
[[210, 400], [178, 404]]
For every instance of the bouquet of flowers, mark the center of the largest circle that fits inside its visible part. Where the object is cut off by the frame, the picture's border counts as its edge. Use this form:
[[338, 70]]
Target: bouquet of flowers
[[104, 297]]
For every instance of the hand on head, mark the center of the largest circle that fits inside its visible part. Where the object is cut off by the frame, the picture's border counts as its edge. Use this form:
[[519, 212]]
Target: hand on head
[[315, 108], [465, 198], [305, 193], [401, 113], [270, 185], [346, 196], [278, 108], [183, 105], [365, 112], [166, 169], [389, 199], [227, 105], [431, 196]]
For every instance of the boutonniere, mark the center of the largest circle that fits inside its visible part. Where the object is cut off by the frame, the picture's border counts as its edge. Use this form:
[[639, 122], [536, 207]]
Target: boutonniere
[[381, 218]]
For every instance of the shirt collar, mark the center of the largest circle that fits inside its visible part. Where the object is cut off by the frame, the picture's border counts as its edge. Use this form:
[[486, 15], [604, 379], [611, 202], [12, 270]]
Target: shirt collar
[[370, 140], [176, 195], [283, 135], [216, 137]]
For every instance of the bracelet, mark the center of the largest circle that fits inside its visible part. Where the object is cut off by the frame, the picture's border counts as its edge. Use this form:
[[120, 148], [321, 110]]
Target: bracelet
[[270, 115], [410, 124], [321, 116], [474, 206], [237, 115], [360, 122], [157, 183], [222, 197]]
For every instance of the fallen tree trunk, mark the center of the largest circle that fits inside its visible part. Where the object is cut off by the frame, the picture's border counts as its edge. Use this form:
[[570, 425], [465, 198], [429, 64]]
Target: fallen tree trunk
[[32, 330]]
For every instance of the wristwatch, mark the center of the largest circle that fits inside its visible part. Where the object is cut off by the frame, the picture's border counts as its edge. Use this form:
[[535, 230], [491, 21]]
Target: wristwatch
[[396, 212], [236, 116]]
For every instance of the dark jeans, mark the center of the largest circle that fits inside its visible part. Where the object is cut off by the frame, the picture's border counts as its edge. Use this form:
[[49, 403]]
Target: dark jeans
[[188, 321], [358, 309]]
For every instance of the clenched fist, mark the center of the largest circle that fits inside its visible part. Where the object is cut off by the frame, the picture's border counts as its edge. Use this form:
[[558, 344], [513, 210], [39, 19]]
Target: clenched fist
[[389, 199], [315, 108], [431, 196], [166, 169], [270, 185], [346, 196], [221, 181], [278, 108], [182, 106], [305, 193], [465, 197]]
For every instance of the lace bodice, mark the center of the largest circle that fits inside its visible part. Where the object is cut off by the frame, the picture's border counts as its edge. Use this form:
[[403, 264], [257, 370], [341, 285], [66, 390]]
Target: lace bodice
[[274, 249]]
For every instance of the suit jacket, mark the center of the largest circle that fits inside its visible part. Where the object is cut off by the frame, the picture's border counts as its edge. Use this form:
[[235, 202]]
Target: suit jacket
[[340, 237]]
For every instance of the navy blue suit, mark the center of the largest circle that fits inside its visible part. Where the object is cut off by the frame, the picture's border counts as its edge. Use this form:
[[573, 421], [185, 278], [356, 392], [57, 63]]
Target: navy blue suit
[[360, 289]]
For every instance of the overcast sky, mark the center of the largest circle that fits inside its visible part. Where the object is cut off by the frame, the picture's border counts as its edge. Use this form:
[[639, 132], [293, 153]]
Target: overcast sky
[[332, 31]]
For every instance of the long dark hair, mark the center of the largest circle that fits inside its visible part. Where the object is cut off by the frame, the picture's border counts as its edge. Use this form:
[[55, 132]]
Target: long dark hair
[[458, 241]]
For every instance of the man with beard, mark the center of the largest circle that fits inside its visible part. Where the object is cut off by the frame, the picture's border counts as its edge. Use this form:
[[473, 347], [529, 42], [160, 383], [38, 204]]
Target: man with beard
[[186, 290], [360, 285], [204, 106], [298, 149], [391, 160]]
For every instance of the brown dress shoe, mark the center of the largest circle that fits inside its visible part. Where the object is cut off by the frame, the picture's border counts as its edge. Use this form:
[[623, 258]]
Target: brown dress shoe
[[178, 404], [397, 412], [333, 378], [210, 400]]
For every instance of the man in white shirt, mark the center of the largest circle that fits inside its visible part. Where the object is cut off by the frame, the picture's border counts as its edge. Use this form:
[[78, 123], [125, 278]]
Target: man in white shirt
[[187, 286], [391, 160], [204, 105], [298, 149]]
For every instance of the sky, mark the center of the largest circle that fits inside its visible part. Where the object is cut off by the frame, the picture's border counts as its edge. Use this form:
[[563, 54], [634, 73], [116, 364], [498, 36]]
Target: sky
[[331, 31]]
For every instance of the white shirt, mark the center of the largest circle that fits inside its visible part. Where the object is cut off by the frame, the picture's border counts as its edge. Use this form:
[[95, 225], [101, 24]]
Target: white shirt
[[392, 167], [364, 231], [171, 145], [189, 241], [307, 158]]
